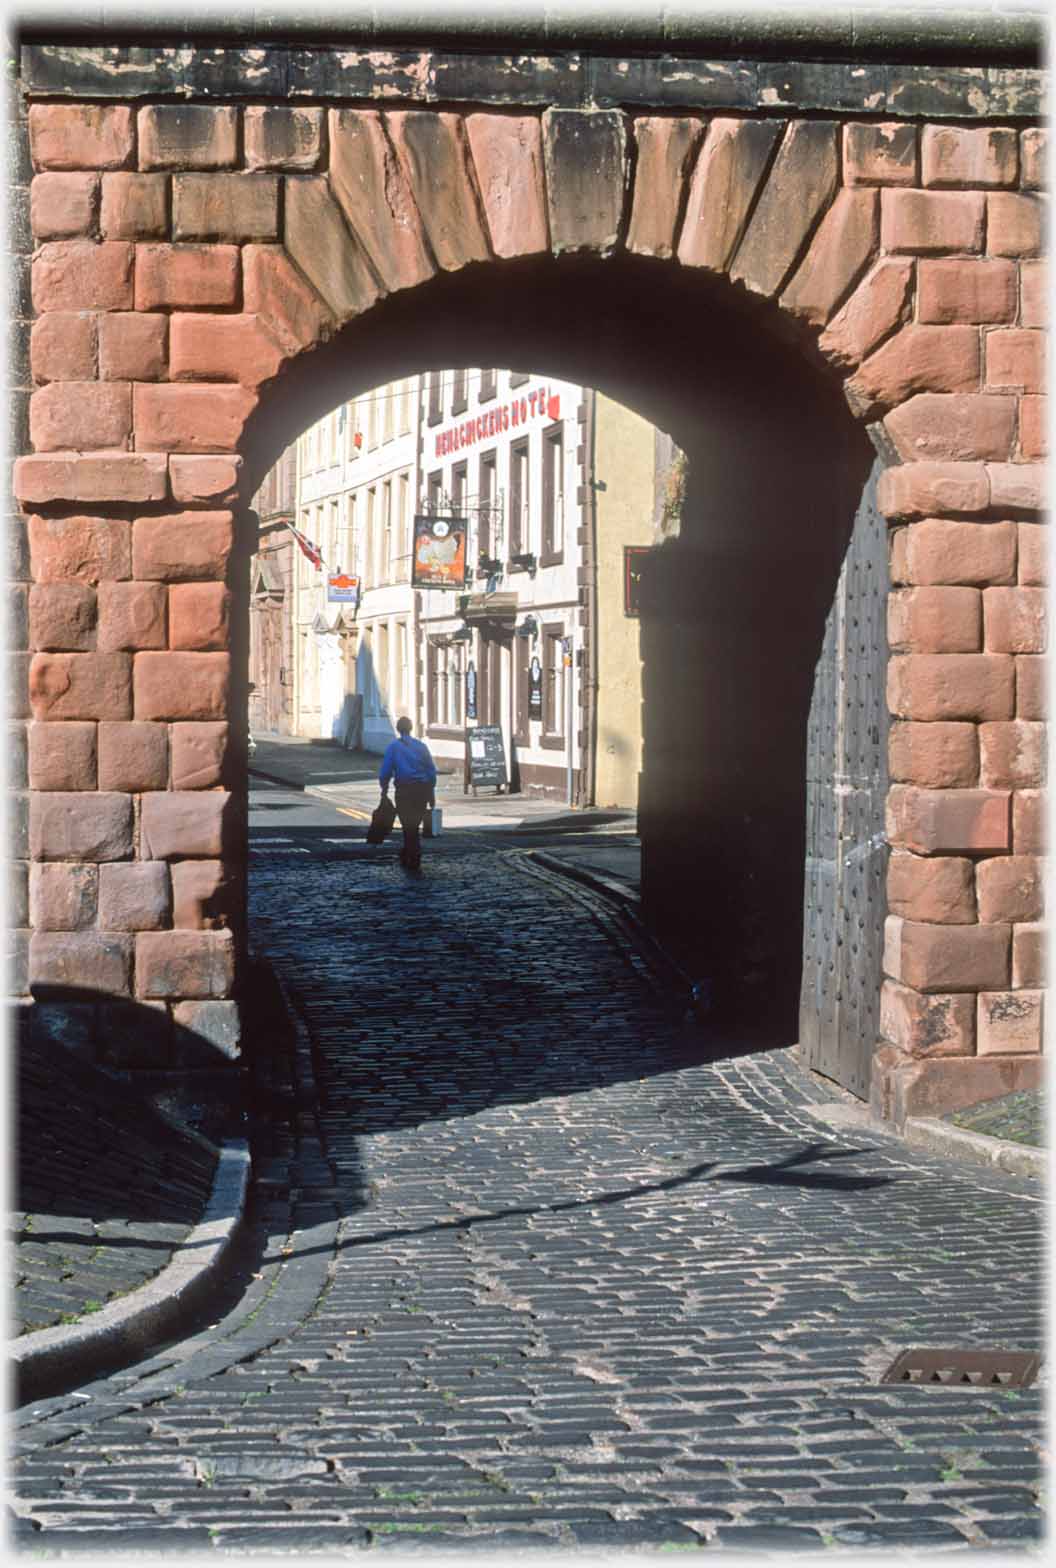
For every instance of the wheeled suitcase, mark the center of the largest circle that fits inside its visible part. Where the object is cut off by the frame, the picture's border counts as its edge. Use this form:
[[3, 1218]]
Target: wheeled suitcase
[[433, 821], [381, 822]]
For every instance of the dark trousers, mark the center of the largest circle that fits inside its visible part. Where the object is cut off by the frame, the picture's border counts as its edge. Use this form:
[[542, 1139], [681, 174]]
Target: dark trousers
[[412, 799]]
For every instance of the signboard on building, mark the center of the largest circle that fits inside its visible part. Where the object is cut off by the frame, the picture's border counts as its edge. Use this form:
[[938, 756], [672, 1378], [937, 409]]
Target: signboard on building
[[535, 689], [539, 403], [471, 690], [439, 552], [633, 561], [486, 756], [342, 588]]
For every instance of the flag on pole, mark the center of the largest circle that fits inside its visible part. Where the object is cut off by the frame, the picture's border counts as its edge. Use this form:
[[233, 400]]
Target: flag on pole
[[312, 551]]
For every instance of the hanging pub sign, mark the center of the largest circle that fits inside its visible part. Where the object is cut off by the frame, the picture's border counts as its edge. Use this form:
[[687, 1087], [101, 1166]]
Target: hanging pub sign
[[341, 588], [535, 689], [633, 561], [471, 690], [439, 552]]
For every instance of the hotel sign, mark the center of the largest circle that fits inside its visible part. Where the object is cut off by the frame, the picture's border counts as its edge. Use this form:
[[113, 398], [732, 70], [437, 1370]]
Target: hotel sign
[[511, 415]]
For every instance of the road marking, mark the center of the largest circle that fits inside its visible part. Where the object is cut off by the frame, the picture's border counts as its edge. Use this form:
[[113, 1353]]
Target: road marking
[[349, 811]]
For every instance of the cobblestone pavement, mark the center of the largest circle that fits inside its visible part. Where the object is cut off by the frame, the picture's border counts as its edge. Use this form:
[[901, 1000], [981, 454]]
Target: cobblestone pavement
[[106, 1189], [1020, 1118], [578, 1286]]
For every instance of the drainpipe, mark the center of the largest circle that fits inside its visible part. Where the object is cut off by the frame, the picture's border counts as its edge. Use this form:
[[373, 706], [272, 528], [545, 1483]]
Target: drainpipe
[[588, 761]]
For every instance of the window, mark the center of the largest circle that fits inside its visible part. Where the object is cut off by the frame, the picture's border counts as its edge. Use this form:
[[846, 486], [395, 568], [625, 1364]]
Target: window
[[372, 419], [435, 492], [350, 547], [445, 684], [518, 498], [385, 561], [488, 384], [369, 542], [458, 489], [518, 378], [403, 529], [388, 410], [554, 678], [383, 666], [459, 391], [406, 388], [332, 552], [553, 495], [486, 532], [436, 396], [399, 673]]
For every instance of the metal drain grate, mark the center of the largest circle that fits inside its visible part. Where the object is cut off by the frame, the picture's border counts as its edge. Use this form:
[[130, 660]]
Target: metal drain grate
[[956, 1368]]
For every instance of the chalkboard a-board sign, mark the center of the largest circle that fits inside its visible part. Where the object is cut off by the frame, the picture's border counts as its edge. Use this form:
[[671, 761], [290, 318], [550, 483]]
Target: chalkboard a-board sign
[[486, 756]]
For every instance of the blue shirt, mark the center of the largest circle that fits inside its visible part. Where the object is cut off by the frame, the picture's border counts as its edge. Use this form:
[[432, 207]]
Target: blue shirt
[[409, 760]]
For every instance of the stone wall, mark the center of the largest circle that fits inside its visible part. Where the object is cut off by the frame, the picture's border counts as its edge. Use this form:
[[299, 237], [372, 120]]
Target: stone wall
[[189, 253]]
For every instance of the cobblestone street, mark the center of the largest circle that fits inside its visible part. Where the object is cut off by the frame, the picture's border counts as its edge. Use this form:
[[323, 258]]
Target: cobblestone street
[[582, 1282]]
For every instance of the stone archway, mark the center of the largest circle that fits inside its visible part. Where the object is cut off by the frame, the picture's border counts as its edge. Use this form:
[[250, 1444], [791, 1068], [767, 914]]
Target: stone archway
[[190, 254]]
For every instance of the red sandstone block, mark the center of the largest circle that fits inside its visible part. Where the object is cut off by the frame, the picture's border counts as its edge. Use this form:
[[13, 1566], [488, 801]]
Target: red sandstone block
[[927, 223], [134, 897], [1030, 687], [884, 154], [927, 1025], [927, 686], [1017, 487], [204, 896], [225, 207], [1033, 150], [800, 184], [80, 686], [966, 290], [63, 897], [433, 150], [191, 418], [274, 289], [279, 138], [1015, 358], [90, 477], [85, 826], [187, 136], [1033, 293], [1033, 428], [133, 757], [62, 346], [81, 275], [185, 964], [182, 546], [843, 244], [935, 620], [938, 756], [204, 478], [1028, 822], [199, 615], [176, 823], [1033, 545], [62, 206], [954, 426], [62, 617], [224, 348], [61, 756], [952, 156], [180, 685], [199, 753], [939, 889], [1028, 956], [132, 346], [898, 555], [87, 549], [725, 181], [917, 359], [1010, 1022], [205, 1030], [88, 960], [186, 277], [879, 304], [135, 207], [1015, 225], [1008, 887], [947, 821], [913, 490], [948, 958], [1014, 620], [1012, 754], [80, 136], [508, 157], [80, 414], [131, 616]]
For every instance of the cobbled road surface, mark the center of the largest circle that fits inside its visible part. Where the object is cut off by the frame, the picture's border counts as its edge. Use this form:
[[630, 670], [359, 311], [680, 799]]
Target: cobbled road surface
[[583, 1285]]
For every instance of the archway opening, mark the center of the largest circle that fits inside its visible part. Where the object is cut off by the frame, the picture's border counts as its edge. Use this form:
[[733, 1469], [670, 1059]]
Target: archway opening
[[734, 603]]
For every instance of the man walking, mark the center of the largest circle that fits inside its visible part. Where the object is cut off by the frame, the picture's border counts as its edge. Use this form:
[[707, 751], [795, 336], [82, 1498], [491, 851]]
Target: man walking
[[409, 760]]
